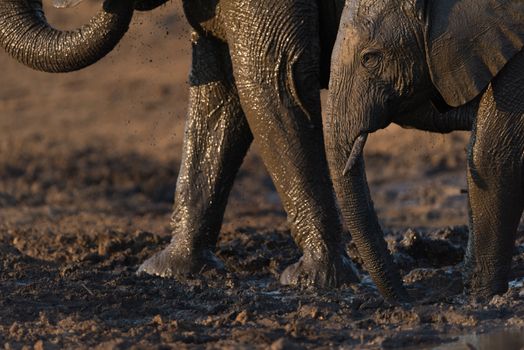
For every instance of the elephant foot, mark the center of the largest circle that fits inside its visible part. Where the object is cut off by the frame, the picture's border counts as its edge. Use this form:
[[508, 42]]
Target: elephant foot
[[323, 273], [485, 276], [483, 290], [170, 263]]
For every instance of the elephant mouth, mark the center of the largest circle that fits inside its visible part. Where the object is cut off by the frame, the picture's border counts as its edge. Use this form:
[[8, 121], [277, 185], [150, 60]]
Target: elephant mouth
[[356, 151]]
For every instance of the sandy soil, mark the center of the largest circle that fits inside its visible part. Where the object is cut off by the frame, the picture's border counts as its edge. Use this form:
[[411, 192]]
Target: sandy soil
[[88, 164]]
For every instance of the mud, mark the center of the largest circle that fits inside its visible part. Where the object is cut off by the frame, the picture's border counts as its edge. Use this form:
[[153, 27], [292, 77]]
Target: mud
[[501, 339], [88, 164]]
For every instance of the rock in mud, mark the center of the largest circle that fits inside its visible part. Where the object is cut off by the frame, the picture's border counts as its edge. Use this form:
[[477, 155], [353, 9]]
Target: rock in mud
[[416, 249]]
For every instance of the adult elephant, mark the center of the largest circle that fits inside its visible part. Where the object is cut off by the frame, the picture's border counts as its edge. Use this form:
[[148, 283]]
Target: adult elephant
[[394, 59], [257, 70]]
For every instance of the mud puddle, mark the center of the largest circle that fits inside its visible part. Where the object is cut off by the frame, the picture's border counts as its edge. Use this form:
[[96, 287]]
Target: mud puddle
[[507, 339]]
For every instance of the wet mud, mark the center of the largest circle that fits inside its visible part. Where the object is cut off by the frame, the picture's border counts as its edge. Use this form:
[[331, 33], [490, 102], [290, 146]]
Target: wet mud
[[498, 339], [88, 167]]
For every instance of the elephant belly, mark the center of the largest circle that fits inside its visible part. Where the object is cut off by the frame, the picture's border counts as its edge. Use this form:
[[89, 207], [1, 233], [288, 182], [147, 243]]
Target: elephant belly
[[205, 17]]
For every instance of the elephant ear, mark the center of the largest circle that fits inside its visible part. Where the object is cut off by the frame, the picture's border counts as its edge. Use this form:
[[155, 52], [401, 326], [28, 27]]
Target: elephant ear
[[468, 42]]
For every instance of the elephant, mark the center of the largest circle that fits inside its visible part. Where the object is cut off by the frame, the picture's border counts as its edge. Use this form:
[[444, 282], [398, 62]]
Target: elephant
[[257, 69], [412, 62]]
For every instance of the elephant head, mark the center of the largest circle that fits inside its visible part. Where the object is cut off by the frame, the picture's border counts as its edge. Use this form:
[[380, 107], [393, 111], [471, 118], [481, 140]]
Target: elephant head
[[26, 35], [390, 57]]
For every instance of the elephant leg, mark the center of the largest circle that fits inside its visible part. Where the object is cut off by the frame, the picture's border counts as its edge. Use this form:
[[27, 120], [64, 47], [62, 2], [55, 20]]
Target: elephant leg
[[275, 60], [496, 195], [216, 140]]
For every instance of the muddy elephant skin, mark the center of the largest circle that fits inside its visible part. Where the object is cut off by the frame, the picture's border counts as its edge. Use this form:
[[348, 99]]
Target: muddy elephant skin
[[27, 37], [437, 65]]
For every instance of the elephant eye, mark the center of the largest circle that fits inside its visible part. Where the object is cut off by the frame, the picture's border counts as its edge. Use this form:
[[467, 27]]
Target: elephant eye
[[371, 59]]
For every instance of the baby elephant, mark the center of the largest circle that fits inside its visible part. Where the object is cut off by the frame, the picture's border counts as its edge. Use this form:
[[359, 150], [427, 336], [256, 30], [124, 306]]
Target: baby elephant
[[396, 59]]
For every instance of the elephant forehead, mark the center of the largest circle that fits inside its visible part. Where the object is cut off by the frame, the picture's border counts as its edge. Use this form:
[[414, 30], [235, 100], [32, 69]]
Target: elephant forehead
[[347, 42], [361, 17], [366, 9]]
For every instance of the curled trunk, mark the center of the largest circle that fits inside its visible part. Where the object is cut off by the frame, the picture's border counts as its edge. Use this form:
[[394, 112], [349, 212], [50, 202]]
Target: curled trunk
[[26, 35]]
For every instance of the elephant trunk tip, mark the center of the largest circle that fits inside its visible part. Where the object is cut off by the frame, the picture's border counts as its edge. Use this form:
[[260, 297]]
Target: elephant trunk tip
[[356, 151]]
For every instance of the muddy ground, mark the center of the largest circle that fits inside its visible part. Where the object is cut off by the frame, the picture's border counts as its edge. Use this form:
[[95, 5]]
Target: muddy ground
[[88, 164]]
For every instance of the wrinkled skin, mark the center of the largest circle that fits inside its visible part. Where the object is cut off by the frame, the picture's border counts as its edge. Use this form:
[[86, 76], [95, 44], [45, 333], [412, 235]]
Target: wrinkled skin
[[256, 75], [396, 61], [257, 70], [27, 37]]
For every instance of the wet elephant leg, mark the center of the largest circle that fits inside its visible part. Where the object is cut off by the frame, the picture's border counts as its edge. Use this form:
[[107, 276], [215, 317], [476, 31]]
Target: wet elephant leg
[[275, 60], [495, 186], [216, 140]]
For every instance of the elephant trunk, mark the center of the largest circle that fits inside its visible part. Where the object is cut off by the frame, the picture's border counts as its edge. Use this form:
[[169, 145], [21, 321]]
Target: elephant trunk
[[26, 35], [349, 179]]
